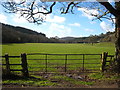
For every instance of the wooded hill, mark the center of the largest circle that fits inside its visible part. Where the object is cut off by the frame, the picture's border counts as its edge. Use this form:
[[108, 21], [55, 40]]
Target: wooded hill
[[15, 34], [108, 37]]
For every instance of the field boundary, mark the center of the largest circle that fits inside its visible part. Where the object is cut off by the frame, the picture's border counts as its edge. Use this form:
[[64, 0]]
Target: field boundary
[[65, 60], [25, 68]]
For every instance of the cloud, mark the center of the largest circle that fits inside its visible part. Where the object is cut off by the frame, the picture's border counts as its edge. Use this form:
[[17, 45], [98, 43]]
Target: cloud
[[89, 30], [17, 1], [75, 24], [92, 22], [58, 30], [55, 19], [106, 27], [87, 13], [18, 19], [3, 18], [110, 1]]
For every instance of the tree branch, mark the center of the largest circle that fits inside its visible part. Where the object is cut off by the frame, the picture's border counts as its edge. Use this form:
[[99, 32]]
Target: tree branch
[[68, 7], [109, 7]]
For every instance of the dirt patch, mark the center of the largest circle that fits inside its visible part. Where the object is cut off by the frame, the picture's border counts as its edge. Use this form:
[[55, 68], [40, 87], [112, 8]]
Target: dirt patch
[[67, 80], [105, 84]]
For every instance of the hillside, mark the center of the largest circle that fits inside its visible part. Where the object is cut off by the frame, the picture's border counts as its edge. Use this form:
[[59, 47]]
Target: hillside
[[12, 34], [108, 37]]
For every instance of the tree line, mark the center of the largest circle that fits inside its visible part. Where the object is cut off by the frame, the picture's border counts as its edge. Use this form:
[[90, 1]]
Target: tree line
[[12, 34], [107, 37]]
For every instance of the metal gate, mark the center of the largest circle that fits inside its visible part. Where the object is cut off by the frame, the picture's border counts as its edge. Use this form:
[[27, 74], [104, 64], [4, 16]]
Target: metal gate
[[63, 63]]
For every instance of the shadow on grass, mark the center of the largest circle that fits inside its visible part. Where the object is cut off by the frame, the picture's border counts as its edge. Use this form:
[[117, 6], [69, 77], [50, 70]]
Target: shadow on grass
[[11, 43], [12, 76], [13, 80]]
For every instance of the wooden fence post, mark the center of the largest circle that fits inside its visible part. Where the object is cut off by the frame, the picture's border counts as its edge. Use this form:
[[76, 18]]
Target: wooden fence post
[[46, 63], [104, 58], [7, 63], [24, 65], [83, 62], [66, 63]]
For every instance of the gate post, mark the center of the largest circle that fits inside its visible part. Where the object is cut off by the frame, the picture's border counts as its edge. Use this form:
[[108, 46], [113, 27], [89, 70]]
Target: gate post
[[46, 63], [7, 63], [104, 58], [83, 69], [66, 63], [24, 65]]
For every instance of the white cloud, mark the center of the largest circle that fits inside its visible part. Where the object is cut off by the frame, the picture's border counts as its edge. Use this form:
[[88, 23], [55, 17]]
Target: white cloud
[[90, 0], [17, 1], [92, 22], [58, 30], [75, 24], [87, 13], [89, 30], [18, 19], [3, 18], [55, 19], [106, 27], [110, 1]]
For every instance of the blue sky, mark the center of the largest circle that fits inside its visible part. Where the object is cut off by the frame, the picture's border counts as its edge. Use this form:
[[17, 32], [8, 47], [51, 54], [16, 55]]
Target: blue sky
[[79, 24]]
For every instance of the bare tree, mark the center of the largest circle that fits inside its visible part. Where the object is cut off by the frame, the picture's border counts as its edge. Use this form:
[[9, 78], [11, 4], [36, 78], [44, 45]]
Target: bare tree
[[36, 11]]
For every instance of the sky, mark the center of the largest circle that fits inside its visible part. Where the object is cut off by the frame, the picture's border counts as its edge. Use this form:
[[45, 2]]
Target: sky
[[79, 24]]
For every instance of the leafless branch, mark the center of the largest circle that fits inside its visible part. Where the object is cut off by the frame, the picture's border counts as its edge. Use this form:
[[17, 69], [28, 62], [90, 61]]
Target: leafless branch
[[70, 7], [109, 7], [28, 11], [32, 10]]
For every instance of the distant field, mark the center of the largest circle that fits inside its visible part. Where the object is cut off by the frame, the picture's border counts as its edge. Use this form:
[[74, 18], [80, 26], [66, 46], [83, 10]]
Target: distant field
[[53, 48], [17, 49]]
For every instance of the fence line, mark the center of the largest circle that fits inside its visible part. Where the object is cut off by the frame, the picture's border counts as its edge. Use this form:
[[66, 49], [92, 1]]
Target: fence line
[[23, 64], [105, 60], [7, 63], [58, 54], [24, 61], [66, 59]]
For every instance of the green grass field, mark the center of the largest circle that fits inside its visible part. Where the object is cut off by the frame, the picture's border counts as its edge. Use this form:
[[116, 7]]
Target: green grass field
[[53, 48], [17, 49]]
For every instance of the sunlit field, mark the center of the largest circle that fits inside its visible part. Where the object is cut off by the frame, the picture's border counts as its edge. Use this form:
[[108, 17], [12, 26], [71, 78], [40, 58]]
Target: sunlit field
[[53, 48], [56, 62]]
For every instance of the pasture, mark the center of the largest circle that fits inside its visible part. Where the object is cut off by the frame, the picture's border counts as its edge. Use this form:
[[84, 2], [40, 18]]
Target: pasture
[[56, 62], [55, 48]]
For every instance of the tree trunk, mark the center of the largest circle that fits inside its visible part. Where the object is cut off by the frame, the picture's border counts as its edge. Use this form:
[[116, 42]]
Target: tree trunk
[[117, 35], [117, 43]]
